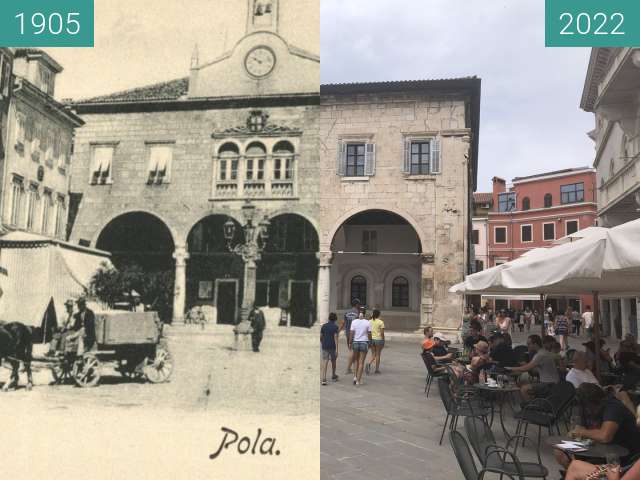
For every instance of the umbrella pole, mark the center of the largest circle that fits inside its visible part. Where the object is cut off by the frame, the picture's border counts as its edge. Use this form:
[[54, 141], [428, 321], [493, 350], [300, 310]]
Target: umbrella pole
[[542, 316], [596, 333]]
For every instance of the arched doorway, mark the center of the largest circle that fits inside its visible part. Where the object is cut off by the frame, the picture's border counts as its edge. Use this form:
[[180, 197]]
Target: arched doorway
[[376, 258], [215, 275], [287, 273], [142, 247]]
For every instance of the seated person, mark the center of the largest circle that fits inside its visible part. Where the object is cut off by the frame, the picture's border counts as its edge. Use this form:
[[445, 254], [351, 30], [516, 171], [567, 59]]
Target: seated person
[[605, 358], [628, 359], [427, 342], [480, 360], [606, 420], [555, 348], [501, 352], [439, 350], [543, 361], [475, 335], [580, 372], [580, 470], [59, 340]]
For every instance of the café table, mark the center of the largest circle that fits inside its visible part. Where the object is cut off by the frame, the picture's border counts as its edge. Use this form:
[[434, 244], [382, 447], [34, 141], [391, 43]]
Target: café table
[[594, 453], [501, 395]]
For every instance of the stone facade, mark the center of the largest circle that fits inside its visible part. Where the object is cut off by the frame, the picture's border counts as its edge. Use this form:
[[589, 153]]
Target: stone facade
[[187, 155], [37, 163], [434, 204], [612, 93]]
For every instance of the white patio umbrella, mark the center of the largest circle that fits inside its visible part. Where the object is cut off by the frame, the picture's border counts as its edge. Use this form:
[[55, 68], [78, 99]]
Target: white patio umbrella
[[608, 262]]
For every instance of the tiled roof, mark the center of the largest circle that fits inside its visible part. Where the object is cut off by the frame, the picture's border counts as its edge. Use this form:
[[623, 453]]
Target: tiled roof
[[396, 85], [482, 197], [171, 90]]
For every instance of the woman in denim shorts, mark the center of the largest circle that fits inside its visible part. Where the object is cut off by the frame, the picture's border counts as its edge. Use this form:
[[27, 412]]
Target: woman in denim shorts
[[377, 341], [360, 336]]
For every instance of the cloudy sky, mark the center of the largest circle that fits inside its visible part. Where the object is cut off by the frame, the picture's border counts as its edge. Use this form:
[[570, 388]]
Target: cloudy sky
[[530, 122], [530, 116]]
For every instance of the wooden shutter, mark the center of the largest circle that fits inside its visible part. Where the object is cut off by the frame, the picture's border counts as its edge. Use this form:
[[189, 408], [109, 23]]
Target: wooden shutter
[[435, 156], [341, 167], [370, 159], [407, 156]]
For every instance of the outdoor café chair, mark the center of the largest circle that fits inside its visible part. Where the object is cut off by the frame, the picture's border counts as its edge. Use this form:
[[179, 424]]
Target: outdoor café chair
[[521, 352], [459, 406], [547, 412], [467, 463], [492, 455], [430, 363]]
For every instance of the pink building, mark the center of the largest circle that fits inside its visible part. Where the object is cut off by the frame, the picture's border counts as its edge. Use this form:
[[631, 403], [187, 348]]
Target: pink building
[[538, 210]]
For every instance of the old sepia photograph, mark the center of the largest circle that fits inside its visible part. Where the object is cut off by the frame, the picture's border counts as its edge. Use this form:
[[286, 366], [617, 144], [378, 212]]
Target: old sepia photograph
[[160, 239]]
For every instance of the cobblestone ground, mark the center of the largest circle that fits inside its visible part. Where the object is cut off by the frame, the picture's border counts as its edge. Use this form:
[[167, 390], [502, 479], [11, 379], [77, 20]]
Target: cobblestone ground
[[387, 428], [126, 429]]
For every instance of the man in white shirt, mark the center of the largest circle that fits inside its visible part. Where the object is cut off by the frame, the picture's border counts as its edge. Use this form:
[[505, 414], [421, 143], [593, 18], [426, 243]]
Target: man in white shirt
[[359, 338], [580, 374], [587, 318]]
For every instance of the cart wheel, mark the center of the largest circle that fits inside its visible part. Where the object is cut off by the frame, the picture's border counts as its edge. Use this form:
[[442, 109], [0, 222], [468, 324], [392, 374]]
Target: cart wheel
[[159, 369], [86, 371], [59, 373]]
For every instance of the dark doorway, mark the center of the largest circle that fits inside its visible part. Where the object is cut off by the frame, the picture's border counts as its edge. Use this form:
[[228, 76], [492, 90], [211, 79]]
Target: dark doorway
[[301, 305], [227, 301]]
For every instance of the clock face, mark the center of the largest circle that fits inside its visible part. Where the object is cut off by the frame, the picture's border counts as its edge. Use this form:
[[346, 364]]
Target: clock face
[[260, 61]]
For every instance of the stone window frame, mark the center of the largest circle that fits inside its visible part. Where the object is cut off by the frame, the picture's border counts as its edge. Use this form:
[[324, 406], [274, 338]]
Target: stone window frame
[[45, 216], [33, 200], [544, 235], [435, 153], [108, 179], [495, 234], [522, 240], [565, 195], [154, 177], [566, 225], [369, 241], [407, 285], [17, 193], [344, 141]]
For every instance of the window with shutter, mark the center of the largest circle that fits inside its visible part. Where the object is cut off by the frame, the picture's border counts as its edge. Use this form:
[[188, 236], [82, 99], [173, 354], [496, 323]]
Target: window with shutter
[[435, 156], [356, 159], [159, 164], [407, 157], [370, 160], [102, 163], [341, 168]]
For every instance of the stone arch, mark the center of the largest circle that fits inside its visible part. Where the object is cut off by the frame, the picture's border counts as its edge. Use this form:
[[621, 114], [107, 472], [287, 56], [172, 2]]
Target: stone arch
[[289, 211], [229, 146], [283, 147], [328, 238], [174, 234]]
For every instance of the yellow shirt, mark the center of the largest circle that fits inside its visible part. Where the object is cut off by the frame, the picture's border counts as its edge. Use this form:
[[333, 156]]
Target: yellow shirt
[[377, 326]]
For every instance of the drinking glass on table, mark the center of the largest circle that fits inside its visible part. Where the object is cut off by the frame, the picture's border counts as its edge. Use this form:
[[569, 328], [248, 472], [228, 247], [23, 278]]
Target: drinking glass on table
[[576, 421], [613, 461]]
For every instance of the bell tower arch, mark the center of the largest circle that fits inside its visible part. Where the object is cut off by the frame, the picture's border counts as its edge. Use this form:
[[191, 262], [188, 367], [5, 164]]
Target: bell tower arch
[[262, 16]]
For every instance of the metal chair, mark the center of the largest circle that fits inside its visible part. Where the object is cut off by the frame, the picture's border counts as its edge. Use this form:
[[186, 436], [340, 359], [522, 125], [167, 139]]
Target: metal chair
[[521, 352], [465, 460], [459, 406], [547, 412], [489, 452], [430, 363]]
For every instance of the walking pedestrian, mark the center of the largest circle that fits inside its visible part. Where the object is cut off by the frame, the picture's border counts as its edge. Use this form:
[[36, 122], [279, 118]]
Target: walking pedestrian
[[528, 316], [258, 324], [521, 321], [561, 327], [577, 322], [349, 317], [359, 338], [377, 341], [587, 317], [329, 345], [503, 322]]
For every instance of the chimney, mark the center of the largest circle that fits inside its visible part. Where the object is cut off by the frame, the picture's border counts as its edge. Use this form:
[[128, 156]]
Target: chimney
[[499, 186]]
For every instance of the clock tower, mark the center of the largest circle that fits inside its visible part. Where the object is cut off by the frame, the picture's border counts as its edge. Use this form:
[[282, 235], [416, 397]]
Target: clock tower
[[261, 63]]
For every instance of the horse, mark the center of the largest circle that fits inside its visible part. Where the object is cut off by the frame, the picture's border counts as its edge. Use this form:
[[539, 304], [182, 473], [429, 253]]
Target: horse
[[16, 345]]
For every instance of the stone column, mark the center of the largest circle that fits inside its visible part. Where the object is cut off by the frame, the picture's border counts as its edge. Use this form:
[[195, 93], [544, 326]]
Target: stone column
[[324, 286], [249, 291], [180, 286], [625, 312]]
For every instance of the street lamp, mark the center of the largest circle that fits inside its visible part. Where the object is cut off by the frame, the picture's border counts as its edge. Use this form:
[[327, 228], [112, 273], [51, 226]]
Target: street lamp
[[255, 240]]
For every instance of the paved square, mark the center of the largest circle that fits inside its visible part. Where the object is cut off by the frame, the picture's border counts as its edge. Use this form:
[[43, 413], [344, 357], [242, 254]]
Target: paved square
[[387, 428]]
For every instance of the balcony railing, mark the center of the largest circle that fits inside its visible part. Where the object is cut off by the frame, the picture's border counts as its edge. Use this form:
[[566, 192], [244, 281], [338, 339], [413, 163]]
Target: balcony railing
[[254, 189]]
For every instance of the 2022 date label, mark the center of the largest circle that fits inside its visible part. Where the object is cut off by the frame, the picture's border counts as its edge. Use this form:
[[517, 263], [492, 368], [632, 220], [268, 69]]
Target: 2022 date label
[[592, 23]]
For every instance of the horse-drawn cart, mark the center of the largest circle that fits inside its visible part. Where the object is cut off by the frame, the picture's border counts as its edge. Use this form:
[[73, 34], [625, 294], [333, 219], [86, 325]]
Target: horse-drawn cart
[[130, 341]]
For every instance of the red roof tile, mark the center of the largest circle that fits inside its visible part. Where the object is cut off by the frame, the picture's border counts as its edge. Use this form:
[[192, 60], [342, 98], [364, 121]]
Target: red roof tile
[[482, 197]]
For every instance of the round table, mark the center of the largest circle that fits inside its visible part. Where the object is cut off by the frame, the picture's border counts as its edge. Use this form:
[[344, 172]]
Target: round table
[[597, 451], [501, 394]]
